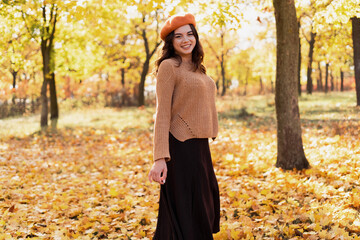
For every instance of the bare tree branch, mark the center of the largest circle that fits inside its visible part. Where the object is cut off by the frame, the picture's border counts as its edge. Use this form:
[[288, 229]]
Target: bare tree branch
[[212, 49]]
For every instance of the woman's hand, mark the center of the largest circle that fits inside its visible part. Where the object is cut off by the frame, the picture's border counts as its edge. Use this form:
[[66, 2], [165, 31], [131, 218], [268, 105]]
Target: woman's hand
[[158, 171]]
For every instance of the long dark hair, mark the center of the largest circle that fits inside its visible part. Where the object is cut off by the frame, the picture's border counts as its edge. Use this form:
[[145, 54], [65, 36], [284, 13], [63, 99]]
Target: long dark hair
[[168, 51]]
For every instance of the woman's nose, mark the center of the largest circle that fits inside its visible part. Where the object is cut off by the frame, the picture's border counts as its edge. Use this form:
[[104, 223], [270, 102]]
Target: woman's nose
[[186, 39]]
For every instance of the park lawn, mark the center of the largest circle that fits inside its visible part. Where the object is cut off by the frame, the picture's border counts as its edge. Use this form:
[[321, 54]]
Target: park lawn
[[88, 179]]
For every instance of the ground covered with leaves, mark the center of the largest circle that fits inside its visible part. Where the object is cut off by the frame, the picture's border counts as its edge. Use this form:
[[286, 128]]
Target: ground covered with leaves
[[88, 180]]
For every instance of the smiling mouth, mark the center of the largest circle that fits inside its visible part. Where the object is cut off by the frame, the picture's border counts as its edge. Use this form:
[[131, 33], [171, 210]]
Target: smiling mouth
[[186, 46]]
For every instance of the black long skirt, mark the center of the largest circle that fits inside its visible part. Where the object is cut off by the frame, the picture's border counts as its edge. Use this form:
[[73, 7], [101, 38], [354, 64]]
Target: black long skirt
[[189, 207]]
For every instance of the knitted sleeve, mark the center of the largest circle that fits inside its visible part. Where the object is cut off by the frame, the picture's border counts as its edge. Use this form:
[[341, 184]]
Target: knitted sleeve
[[165, 82]]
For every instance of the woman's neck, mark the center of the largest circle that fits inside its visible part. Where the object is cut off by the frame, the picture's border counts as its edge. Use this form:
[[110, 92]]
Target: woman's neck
[[187, 58]]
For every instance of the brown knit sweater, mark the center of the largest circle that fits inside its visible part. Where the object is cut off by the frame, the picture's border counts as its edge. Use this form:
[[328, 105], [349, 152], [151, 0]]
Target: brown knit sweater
[[185, 106]]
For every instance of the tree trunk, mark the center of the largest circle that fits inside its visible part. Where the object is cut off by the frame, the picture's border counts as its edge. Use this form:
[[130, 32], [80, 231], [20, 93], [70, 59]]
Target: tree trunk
[[246, 81], [299, 64], [54, 109], [245, 88], [222, 64], [14, 74], [289, 141], [46, 74], [149, 54], [320, 85], [261, 86], [356, 42], [332, 85], [123, 77], [44, 105], [309, 85], [47, 40], [223, 76], [141, 97], [23, 105], [32, 108], [341, 80], [326, 77]]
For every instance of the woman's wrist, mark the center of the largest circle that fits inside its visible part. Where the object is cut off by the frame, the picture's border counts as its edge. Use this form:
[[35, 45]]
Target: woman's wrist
[[160, 160]]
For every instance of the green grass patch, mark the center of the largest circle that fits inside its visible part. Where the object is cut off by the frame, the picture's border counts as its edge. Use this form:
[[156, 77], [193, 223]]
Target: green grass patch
[[318, 106], [253, 111], [99, 118]]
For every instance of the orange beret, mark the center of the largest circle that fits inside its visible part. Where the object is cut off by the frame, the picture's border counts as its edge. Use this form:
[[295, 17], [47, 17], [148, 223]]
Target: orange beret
[[175, 22]]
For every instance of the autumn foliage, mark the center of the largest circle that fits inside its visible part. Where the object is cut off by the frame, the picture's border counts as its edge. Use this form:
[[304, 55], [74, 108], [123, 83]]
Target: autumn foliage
[[88, 180]]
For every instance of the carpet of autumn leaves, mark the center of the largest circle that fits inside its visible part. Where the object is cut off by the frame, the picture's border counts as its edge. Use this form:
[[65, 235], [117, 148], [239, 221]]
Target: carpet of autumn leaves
[[88, 180]]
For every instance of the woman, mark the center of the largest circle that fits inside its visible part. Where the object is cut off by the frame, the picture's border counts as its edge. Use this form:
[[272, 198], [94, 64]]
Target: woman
[[189, 207]]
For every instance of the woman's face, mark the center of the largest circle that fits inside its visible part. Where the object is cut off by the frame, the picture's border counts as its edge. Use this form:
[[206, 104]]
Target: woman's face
[[184, 41]]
